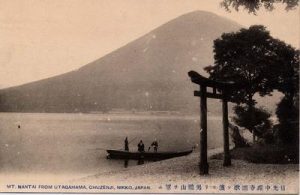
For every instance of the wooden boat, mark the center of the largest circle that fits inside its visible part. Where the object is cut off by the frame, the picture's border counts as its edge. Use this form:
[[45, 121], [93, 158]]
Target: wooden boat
[[122, 154]]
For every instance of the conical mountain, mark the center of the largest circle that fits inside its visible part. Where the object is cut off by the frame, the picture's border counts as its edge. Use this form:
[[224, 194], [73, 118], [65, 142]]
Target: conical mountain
[[149, 73]]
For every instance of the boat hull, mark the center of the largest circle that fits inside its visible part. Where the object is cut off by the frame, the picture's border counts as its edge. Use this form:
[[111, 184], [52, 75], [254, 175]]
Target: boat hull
[[122, 154]]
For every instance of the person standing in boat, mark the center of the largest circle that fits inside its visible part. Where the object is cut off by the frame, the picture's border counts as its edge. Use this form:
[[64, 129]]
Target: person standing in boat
[[154, 145], [126, 144], [141, 146]]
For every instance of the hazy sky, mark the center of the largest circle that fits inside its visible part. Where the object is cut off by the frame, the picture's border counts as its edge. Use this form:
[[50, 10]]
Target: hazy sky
[[43, 38]]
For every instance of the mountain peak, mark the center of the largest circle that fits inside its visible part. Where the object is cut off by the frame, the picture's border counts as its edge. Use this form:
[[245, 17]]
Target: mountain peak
[[205, 17], [199, 13]]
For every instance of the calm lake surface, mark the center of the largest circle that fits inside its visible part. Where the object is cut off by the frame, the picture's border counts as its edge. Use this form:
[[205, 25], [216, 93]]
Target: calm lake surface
[[74, 143]]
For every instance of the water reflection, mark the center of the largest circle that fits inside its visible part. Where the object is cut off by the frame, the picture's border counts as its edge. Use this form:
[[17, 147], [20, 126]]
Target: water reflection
[[126, 163], [138, 162]]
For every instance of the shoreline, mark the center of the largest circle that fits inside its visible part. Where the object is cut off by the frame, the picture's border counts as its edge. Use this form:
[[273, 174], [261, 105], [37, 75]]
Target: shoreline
[[185, 170], [164, 176]]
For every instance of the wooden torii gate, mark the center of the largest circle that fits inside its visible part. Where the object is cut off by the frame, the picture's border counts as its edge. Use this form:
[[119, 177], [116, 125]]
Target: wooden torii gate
[[219, 91]]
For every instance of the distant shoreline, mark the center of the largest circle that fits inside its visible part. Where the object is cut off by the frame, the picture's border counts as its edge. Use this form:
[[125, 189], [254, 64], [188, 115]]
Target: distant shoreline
[[154, 113]]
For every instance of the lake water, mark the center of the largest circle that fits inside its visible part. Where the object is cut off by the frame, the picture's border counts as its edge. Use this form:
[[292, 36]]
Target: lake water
[[74, 143]]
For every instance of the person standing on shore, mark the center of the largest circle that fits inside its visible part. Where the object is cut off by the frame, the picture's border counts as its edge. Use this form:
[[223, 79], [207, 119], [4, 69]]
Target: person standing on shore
[[141, 146], [126, 144]]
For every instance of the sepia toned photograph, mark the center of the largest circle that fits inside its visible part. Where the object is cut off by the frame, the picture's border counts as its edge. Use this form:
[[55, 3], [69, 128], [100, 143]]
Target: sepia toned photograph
[[146, 96]]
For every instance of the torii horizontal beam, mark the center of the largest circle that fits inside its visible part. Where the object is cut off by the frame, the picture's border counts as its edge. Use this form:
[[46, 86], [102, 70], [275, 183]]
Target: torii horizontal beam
[[209, 95], [214, 95]]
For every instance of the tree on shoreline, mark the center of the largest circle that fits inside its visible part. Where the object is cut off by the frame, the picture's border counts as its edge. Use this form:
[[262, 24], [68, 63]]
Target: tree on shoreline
[[261, 119], [256, 59]]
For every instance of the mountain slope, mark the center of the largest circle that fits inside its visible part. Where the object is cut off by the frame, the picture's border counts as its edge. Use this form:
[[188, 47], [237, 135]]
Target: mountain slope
[[149, 73]]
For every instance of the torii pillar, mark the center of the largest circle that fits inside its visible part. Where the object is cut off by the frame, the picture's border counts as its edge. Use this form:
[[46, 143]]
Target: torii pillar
[[203, 94], [203, 164]]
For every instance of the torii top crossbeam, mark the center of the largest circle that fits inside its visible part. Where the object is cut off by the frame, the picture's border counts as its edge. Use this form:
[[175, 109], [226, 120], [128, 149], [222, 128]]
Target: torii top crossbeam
[[201, 80], [224, 87]]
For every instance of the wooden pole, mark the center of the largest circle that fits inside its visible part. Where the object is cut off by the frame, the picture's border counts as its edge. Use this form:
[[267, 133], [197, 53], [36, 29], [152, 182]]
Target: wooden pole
[[203, 165], [227, 158]]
